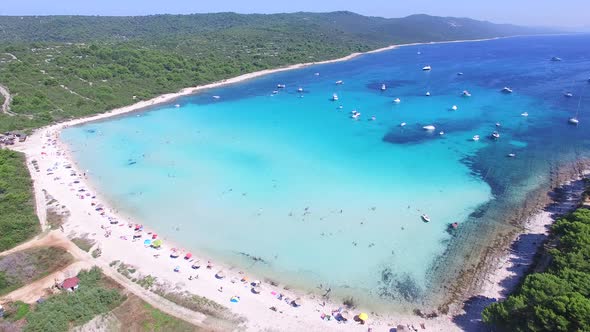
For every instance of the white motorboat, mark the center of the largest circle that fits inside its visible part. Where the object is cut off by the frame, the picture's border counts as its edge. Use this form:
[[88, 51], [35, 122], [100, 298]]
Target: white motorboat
[[356, 115], [425, 218], [300, 90], [275, 92], [525, 114], [177, 105], [339, 82], [373, 118], [441, 133], [216, 97], [418, 52], [498, 124], [475, 138], [568, 94], [495, 135], [429, 128], [403, 124], [426, 68], [466, 93], [427, 93], [383, 87], [280, 86], [512, 155], [316, 74], [397, 100], [454, 108], [573, 121], [555, 58], [334, 97], [506, 90], [459, 74], [340, 107]]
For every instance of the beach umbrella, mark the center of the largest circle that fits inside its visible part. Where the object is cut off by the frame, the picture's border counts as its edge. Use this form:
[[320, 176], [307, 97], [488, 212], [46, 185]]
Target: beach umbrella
[[157, 243], [154, 236], [147, 242], [220, 275], [363, 316], [188, 256], [256, 290], [235, 299], [296, 302], [345, 315]]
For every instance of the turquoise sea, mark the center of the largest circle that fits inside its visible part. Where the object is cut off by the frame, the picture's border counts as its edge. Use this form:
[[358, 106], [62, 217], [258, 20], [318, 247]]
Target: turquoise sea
[[319, 198]]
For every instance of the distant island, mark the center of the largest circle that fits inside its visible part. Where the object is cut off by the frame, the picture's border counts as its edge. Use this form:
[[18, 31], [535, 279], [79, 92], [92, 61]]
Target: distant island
[[63, 67]]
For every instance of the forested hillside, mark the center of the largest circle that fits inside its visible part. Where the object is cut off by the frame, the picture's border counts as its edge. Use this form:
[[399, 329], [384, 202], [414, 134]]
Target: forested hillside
[[59, 67]]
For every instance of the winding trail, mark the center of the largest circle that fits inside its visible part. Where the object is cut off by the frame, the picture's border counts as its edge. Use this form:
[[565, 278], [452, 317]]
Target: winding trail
[[7, 100]]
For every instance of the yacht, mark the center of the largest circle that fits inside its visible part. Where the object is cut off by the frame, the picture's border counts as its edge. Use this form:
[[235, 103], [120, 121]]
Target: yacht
[[216, 97], [339, 82], [573, 121], [525, 114], [475, 138], [454, 108], [426, 68], [466, 93], [506, 90], [383, 87], [429, 128], [427, 93], [425, 217], [280, 86], [334, 97], [495, 135], [555, 58], [397, 100], [568, 94]]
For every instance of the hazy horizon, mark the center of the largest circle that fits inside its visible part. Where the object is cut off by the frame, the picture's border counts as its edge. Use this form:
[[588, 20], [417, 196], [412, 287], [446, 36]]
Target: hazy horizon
[[568, 13]]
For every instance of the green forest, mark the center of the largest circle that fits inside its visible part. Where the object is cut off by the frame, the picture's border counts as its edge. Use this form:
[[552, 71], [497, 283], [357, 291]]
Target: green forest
[[60, 67], [558, 299]]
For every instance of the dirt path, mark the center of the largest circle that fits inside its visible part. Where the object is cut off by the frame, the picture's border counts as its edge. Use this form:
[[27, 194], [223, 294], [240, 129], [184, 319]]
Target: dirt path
[[83, 260], [7, 99]]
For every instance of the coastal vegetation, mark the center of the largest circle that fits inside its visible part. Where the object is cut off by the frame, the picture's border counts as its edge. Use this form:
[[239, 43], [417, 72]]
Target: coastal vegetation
[[23, 267], [559, 298], [18, 221], [60, 67]]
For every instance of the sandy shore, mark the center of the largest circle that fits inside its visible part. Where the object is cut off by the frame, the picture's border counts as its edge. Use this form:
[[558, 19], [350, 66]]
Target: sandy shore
[[51, 157]]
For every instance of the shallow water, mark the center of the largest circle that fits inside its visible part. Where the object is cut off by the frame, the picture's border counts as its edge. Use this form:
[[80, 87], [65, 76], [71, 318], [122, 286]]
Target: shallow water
[[324, 199]]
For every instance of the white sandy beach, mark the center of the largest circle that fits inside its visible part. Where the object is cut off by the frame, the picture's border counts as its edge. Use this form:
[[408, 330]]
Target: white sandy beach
[[51, 156]]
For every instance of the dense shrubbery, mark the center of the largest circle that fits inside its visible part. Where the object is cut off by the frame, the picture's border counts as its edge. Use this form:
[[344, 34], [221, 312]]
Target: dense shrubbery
[[60, 311], [558, 300], [18, 221]]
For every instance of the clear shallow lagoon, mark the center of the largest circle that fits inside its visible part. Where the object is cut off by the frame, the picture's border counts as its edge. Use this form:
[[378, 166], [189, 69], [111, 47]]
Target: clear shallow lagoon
[[325, 199]]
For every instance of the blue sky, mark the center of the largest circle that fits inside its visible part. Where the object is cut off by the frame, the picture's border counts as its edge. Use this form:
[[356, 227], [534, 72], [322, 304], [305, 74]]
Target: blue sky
[[528, 12]]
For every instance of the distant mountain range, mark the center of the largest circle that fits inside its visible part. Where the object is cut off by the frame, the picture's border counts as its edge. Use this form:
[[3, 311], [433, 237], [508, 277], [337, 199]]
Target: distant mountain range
[[344, 26]]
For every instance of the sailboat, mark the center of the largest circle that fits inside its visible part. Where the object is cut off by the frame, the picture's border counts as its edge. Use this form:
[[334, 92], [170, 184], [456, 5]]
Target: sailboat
[[574, 121], [383, 87]]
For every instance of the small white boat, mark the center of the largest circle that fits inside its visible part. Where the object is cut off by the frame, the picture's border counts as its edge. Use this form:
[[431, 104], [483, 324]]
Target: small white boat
[[459, 73], [555, 58], [418, 52], [216, 97], [573, 121], [397, 100], [495, 135], [334, 97], [429, 128], [177, 105], [383, 87], [275, 92], [425, 217], [441, 133], [427, 93], [506, 90], [475, 138], [525, 114], [300, 90], [426, 68], [512, 155], [339, 82], [454, 108], [373, 118], [498, 124], [316, 74], [568, 94], [340, 107], [280, 86], [466, 93], [403, 124], [356, 115]]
